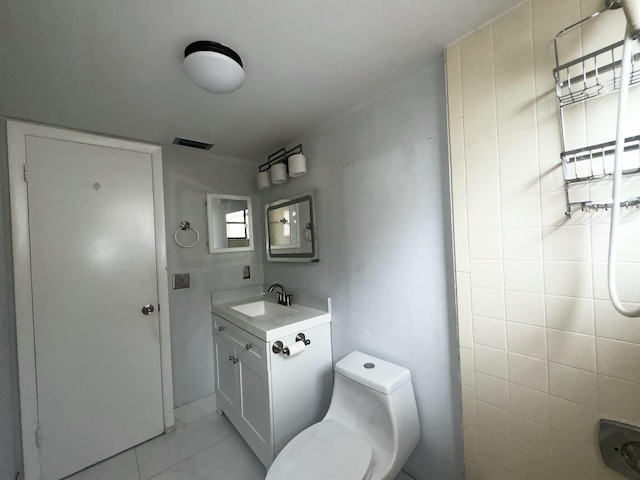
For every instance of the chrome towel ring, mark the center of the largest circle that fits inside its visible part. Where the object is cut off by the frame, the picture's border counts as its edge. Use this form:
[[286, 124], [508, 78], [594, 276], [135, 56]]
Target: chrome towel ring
[[184, 226]]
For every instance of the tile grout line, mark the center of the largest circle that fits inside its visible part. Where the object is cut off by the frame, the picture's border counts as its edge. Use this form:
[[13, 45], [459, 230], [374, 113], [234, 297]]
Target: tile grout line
[[189, 457]]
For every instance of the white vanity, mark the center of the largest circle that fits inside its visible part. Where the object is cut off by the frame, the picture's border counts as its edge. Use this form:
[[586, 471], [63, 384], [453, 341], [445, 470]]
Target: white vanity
[[273, 365]]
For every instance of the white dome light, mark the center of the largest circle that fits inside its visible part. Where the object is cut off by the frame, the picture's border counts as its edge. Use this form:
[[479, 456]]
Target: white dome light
[[213, 66]]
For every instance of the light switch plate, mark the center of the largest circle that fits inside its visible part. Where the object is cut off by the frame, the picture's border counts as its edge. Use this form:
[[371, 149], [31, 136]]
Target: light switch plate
[[181, 280]]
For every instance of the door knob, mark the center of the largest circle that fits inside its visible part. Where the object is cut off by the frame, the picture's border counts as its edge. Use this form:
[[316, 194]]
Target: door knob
[[148, 309]]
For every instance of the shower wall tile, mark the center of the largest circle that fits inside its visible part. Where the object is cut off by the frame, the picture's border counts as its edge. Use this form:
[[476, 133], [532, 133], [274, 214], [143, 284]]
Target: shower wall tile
[[627, 275], [460, 223], [490, 332], [619, 359], [463, 291], [491, 361], [611, 324], [470, 433], [493, 419], [569, 243], [467, 369], [526, 340], [496, 450], [461, 245], [570, 313], [572, 279], [469, 404], [573, 384], [572, 349], [627, 245], [528, 372], [529, 403], [519, 147], [489, 468], [484, 215], [573, 419], [482, 156], [488, 302], [518, 180], [581, 457], [523, 276], [465, 328], [492, 390], [526, 464], [544, 354], [487, 274], [513, 212], [530, 435], [525, 308], [484, 185], [619, 398], [522, 244]]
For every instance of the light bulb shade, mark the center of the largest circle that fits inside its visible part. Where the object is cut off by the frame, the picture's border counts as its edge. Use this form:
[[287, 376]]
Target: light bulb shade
[[213, 66], [264, 180], [278, 173], [297, 165]]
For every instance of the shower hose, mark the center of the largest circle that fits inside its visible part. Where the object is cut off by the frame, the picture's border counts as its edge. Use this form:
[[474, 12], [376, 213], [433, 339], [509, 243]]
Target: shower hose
[[617, 174]]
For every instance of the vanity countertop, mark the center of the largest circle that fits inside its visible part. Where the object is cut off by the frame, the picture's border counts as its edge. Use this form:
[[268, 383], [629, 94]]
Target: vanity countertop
[[271, 327]]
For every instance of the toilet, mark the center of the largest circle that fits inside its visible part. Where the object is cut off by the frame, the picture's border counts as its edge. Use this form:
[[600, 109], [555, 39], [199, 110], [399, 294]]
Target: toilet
[[368, 433]]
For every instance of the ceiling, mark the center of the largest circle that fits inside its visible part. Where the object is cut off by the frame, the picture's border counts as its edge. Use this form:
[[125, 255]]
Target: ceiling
[[114, 67]]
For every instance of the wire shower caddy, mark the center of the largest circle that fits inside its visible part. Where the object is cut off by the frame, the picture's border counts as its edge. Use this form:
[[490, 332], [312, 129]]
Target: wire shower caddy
[[593, 75]]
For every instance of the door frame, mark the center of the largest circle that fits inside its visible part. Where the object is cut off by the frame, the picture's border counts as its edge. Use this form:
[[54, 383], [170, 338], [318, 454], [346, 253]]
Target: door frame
[[16, 133]]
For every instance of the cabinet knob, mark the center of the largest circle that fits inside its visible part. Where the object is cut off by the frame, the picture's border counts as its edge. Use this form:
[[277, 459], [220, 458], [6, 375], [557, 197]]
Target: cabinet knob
[[248, 346], [233, 359], [220, 329]]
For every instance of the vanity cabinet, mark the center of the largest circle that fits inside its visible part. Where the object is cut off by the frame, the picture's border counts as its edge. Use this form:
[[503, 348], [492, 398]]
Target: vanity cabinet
[[270, 397]]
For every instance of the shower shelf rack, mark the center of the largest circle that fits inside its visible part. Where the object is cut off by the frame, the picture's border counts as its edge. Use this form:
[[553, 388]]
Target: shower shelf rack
[[593, 75]]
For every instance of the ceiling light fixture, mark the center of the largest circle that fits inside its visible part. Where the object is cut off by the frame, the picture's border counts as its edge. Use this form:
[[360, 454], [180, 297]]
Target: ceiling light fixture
[[275, 169], [213, 66]]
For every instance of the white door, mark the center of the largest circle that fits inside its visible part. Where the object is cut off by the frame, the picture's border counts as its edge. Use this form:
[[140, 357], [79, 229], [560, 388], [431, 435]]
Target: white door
[[93, 268]]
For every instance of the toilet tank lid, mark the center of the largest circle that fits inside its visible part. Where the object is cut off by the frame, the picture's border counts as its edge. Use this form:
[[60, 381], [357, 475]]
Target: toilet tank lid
[[384, 377]]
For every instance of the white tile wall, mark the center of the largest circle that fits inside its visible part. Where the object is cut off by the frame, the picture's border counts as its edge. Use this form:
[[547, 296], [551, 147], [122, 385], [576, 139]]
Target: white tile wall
[[544, 354]]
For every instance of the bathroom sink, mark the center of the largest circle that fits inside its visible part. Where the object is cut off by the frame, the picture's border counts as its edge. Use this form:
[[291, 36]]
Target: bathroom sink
[[263, 308]]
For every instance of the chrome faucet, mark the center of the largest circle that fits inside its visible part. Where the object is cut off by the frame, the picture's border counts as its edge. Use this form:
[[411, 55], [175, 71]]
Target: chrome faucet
[[283, 298]]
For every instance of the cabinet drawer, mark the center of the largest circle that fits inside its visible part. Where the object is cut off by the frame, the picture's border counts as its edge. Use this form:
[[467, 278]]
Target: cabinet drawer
[[249, 348]]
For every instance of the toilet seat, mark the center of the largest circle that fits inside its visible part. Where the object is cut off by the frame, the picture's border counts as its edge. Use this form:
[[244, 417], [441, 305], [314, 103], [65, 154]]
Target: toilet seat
[[326, 450]]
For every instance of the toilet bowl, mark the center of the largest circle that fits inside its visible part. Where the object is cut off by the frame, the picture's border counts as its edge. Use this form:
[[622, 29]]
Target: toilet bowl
[[368, 433]]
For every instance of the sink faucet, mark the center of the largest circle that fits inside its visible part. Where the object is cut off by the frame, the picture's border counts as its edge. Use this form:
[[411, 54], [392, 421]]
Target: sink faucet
[[283, 298]]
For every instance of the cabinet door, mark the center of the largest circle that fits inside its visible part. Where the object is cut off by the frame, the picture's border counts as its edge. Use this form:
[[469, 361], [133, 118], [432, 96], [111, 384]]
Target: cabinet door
[[226, 375], [255, 407]]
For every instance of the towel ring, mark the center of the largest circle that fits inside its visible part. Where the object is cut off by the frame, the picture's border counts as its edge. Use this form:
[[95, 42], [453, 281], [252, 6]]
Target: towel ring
[[184, 226], [310, 232]]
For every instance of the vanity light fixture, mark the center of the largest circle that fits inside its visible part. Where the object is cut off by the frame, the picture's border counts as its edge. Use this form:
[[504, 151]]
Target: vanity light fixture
[[212, 66], [275, 169]]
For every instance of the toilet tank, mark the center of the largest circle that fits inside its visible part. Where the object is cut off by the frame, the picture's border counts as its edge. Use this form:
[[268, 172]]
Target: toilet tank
[[384, 377], [375, 399]]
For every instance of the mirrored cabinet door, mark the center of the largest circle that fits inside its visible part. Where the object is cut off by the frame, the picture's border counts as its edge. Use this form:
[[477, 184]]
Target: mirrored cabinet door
[[230, 223]]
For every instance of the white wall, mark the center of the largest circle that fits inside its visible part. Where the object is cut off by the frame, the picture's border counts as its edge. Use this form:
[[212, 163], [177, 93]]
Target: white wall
[[10, 456], [188, 176], [382, 189], [543, 353]]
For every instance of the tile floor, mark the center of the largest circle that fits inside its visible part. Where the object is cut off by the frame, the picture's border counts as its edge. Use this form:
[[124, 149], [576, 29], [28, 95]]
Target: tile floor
[[204, 446]]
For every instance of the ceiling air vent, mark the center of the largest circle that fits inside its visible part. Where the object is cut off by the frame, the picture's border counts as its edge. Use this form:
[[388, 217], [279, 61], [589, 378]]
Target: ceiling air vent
[[186, 142]]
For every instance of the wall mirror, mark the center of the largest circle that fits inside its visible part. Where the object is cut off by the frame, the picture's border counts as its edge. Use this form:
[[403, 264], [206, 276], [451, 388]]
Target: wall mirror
[[291, 230], [230, 223]]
